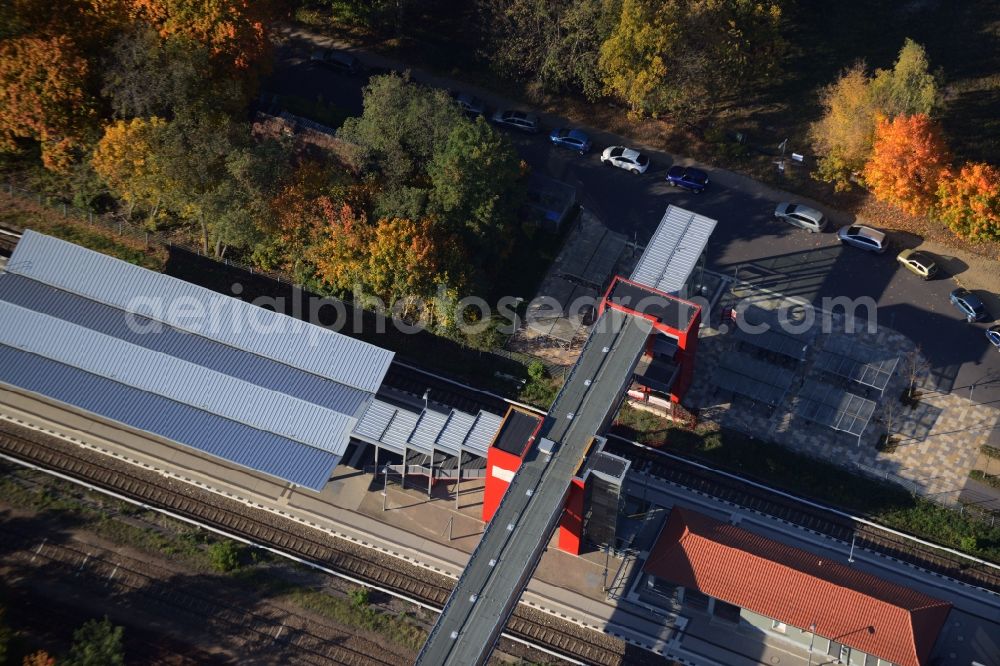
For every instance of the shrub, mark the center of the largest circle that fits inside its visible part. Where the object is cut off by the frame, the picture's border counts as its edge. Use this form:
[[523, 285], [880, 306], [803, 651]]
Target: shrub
[[225, 555], [359, 597]]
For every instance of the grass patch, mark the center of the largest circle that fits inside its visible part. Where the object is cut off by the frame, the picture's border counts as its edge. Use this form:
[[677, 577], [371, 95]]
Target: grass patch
[[23, 214], [355, 611], [774, 465], [541, 388], [991, 480]]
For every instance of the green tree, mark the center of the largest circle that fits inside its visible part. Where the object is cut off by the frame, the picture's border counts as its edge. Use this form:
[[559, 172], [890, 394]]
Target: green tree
[[475, 178], [908, 88], [97, 643], [400, 127]]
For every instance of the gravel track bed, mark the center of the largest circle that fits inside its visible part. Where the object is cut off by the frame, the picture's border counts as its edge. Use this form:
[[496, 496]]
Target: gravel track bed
[[587, 636]]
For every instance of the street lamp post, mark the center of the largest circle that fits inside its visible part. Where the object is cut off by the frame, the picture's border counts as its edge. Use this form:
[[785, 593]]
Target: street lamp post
[[812, 637]]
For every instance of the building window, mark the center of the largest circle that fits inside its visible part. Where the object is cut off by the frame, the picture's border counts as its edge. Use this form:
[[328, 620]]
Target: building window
[[780, 627]]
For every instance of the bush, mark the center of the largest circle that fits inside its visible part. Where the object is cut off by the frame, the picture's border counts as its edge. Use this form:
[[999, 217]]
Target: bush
[[359, 597], [225, 555], [886, 443], [990, 451]]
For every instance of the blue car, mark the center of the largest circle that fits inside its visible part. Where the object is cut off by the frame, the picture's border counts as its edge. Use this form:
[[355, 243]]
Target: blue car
[[689, 178], [574, 139]]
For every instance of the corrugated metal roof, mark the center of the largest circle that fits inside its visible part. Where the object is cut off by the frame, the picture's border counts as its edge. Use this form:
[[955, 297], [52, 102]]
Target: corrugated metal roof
[[213, 355], [674, 250], [238, 443], [396, 427], [173, 378], [228, 320], [799, 588], [456, 430]]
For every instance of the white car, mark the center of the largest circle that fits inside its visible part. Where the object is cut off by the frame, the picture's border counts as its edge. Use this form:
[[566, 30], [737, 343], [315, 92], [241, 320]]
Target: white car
[[625, 158], [801, 216]]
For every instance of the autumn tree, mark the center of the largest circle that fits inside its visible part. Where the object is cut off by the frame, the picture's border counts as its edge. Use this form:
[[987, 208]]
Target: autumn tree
[[969, 201], [126, 159], [234, 31], [340, 254], [669, 55], [633, 60], [401, 260], [44, 98], [906, 162], [844, 135], [39, 658]]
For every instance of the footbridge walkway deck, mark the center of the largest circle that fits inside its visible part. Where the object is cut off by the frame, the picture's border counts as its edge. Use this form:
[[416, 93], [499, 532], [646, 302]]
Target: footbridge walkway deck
[[508, 551]]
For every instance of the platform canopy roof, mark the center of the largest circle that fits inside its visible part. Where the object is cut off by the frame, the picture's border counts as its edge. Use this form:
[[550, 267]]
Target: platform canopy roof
[[434, 428], [266, 391], [834, 407], [674, 250], [861, 364], [797, 587], [753, 378]]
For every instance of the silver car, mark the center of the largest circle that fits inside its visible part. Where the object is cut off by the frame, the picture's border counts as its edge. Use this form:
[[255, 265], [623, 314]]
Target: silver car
[[801, 216], [862, 237], [519, 120]]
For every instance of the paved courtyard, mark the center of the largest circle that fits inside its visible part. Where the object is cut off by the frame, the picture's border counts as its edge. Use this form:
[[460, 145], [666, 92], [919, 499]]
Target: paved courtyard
[[937, 440]]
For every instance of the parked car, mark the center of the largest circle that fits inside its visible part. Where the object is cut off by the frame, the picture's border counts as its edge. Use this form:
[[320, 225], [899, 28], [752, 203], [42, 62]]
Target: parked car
[[336, 60], [801, 216], [625, 158], [519, 120], [573, 139], [920, 263], [862, 237], [993, 335], [689, 178], [968, 304], [471, 105]]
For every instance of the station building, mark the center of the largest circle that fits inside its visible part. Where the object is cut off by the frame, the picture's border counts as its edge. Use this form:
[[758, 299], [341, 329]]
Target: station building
[[836, 612]]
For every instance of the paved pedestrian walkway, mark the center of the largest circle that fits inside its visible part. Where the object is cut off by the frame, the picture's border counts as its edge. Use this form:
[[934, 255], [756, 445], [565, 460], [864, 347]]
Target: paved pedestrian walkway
[[938, 440]]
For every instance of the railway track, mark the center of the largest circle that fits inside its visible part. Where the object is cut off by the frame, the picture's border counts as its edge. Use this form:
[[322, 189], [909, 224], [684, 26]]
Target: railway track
[[266, 628], [839, 527], [576, 644]]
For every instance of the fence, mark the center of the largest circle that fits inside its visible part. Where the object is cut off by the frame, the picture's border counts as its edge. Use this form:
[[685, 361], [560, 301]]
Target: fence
[[956, 504]]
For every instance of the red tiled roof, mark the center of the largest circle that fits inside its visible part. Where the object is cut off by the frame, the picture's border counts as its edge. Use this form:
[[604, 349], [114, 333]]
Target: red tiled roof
[[798, 588]]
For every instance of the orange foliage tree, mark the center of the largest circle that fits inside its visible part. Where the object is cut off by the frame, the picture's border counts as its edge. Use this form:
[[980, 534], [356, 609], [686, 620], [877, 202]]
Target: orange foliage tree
[[43, 97], [969, 202], [234, 30], [40, 658], [906, 162]]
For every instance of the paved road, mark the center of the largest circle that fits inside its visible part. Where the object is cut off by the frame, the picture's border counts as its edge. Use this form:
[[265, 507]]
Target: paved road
[[812, 266]]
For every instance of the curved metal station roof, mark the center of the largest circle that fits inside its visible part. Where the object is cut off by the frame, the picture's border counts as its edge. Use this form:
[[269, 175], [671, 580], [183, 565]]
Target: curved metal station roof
[[251, 386]]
